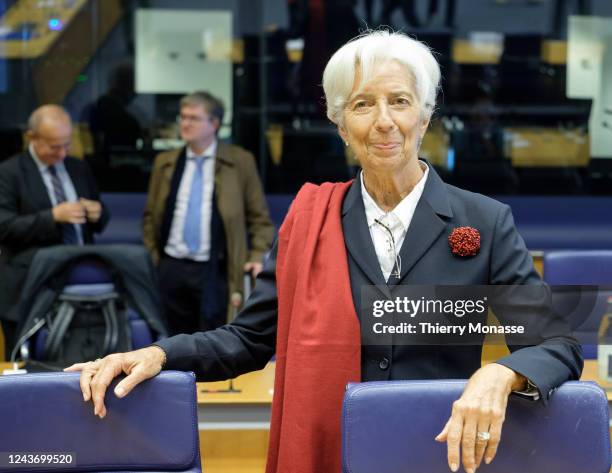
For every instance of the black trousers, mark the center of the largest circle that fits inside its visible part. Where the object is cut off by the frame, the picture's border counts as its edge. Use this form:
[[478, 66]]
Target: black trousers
[[9, 328], [182, 283]]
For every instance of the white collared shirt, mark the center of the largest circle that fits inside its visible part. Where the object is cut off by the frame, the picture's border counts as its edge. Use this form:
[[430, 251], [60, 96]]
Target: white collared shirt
[[397, 221], [176, 246], [64, 177]]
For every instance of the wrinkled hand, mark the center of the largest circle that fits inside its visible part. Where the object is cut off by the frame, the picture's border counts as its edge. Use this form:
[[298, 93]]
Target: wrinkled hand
[[97, 375], [93, 209], [481, 408], [69, 212], [254, 267]]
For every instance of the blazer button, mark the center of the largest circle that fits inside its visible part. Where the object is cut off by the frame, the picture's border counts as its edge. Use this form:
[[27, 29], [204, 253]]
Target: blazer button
[[384, 364]]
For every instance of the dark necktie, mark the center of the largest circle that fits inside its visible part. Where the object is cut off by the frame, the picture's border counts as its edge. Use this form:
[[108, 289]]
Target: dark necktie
[[69, 233]]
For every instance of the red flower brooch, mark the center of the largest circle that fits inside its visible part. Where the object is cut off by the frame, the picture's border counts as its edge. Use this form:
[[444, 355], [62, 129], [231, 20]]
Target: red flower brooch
[[464, 241]]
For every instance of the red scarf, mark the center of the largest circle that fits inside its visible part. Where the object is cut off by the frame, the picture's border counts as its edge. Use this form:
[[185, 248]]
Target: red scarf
[[318, 349]]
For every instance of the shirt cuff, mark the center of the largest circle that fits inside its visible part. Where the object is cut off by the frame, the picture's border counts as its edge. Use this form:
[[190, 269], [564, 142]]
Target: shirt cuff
[[531, 391]]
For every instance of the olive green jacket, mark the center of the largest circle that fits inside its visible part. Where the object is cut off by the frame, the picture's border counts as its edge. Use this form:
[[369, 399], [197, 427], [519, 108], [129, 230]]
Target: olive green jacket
[[241, 204]]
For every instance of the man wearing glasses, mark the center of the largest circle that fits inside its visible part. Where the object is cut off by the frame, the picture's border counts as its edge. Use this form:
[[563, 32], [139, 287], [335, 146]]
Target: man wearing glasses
[[203, 202], [46, 198]]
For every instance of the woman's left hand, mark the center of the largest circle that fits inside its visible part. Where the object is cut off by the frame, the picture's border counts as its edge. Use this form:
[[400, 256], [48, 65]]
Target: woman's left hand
[[480, 409]]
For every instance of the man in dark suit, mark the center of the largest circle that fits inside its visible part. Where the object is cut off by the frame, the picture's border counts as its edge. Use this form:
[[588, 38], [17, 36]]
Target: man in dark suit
[[46, 198]]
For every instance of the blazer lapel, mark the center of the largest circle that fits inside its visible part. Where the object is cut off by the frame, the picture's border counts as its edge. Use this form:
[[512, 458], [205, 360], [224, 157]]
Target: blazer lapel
[[427, 223], [357, 235], [38, 189], [177, 164]]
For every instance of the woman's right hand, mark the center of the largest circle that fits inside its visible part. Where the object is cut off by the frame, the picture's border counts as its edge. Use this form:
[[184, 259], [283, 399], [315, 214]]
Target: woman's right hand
[[96, 376], [481, 408]]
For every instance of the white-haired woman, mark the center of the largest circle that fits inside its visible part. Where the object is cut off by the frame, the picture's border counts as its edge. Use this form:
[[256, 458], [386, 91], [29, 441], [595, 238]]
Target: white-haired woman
[[388, 227]]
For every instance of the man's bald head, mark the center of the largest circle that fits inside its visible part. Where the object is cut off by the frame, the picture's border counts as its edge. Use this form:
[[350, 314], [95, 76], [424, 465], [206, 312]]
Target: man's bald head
[[47, 113], [50, 131]]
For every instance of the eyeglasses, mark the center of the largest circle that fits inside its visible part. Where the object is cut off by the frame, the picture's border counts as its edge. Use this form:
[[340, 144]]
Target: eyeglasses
[[398, 259]]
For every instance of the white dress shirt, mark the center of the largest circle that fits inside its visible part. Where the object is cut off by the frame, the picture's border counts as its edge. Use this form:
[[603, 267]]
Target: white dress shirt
[[397, 221], [64, 177], [176, 246]]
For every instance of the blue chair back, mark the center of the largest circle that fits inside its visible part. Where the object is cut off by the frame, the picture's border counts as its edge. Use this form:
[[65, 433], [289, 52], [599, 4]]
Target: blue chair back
[[389, 427], [126, 210], [582, 267], [153, 429]]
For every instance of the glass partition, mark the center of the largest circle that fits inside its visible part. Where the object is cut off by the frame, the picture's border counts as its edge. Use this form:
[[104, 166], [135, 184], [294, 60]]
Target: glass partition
[[523, 107]]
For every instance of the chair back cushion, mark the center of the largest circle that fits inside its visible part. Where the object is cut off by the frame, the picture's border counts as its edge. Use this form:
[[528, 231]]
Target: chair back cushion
[[575, 267], [389, 427], [581, 268], [153, 429]]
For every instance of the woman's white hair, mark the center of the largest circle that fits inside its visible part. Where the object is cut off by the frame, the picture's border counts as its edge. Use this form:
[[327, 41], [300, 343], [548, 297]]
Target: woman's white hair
[[365, 52]]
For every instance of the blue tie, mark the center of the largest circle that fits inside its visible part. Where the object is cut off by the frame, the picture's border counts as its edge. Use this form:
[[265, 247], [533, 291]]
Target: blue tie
[[193, 219], [69, 233]]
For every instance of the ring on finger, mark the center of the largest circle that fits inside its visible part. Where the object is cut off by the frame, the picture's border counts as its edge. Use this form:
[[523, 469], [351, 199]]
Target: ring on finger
[[483, 436]]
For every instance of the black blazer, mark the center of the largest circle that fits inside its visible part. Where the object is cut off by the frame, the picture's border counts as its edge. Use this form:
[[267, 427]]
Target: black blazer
[[248, 343], [26, 220]]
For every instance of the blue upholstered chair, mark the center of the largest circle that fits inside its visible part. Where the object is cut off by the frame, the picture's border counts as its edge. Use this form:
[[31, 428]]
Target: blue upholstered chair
[[125, 226], [153, 429], [582, 267], [86, 276], [389, 427]]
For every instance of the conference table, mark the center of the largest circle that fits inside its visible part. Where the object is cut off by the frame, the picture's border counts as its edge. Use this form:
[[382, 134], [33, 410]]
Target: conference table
[[234, 422]]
